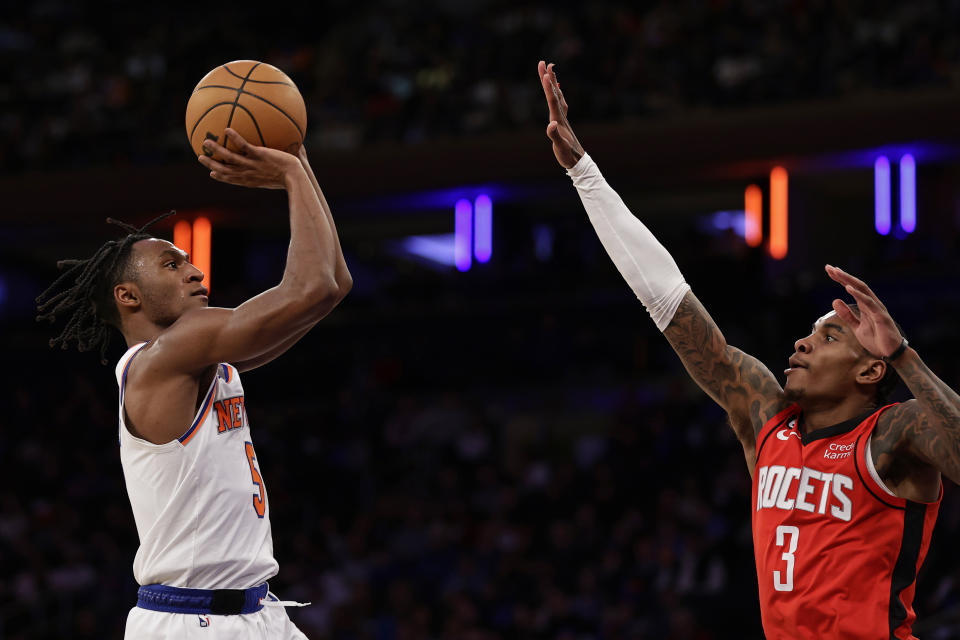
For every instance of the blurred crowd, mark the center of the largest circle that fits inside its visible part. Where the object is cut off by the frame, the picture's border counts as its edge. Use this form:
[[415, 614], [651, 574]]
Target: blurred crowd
[[509, 453], [99, 83], [441, 467]]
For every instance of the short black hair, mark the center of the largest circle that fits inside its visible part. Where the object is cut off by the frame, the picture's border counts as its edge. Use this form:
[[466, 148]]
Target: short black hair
[[88, 302]]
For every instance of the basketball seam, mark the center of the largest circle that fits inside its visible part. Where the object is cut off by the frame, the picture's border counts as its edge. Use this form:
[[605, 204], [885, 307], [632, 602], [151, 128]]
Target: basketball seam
[[236, 75], [202, 116], [259, 97], [256, 126], [236, 100], [288, 116]]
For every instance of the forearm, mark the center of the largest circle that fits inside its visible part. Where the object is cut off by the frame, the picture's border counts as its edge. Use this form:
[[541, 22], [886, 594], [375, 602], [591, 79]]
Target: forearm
[[314, 250], [939, 404], [342, 273], [643, 262]]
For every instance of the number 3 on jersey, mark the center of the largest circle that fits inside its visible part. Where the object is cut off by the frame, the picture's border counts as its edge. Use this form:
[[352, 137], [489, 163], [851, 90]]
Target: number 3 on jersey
[[259, 501], [791, 548]]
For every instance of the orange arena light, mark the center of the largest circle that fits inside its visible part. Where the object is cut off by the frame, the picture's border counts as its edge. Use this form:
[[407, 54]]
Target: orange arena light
[[753, 220], [183, 235], [200, 256], [778, 213]]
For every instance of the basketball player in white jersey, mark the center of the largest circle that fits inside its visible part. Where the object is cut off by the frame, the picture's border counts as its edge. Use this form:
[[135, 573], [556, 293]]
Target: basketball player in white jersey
[[192, 474]]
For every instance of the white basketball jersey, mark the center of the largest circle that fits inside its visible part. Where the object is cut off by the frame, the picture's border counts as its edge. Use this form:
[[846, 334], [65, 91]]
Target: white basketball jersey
[[199, 502]]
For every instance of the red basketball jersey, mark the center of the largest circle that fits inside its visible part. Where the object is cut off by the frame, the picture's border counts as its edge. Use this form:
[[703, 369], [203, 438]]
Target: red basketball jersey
[[837, 553]]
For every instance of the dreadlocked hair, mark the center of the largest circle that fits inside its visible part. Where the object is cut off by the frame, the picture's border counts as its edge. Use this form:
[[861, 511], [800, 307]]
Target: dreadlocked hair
[[88, 302]]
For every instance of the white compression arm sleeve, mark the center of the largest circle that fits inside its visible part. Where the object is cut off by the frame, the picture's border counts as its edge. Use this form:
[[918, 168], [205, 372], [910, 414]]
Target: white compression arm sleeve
[[643, 262]]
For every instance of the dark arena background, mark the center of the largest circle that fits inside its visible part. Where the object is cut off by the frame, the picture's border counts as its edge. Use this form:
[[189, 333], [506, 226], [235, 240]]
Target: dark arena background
[[488, 438]]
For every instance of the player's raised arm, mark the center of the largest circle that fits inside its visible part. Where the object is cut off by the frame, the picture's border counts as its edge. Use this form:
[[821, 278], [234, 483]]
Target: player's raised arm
[[738, 382], [342, 275], [925, 429], [314, 281]]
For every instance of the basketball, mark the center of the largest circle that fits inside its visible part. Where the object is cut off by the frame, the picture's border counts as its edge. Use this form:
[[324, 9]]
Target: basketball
[[256, 99]]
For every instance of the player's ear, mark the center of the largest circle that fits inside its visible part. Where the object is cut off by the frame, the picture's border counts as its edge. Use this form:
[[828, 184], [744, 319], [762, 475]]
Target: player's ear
[[871, 371], [127, 295]]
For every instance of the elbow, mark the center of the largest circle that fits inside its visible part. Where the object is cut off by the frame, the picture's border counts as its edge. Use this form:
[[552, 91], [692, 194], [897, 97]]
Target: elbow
[[327, 294], [344, 284]]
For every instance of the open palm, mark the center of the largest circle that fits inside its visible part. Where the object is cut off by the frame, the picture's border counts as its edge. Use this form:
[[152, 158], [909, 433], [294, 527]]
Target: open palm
[[566, 147], [874, 328]]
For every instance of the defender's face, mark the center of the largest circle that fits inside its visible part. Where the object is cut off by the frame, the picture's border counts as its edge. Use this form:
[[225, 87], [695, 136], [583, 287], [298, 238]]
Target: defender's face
[[169, 284], [825, 363]]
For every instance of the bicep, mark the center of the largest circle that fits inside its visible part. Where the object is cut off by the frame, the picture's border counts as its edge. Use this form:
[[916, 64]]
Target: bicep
[[935, 446], [202, 337], [737, 381]]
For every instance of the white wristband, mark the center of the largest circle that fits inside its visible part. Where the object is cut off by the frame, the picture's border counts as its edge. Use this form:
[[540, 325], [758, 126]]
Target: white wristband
[[643, 262]]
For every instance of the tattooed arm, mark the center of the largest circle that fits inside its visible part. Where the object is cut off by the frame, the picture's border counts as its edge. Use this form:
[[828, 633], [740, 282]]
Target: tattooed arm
[[916, 440], [935, 434], [738, 382]]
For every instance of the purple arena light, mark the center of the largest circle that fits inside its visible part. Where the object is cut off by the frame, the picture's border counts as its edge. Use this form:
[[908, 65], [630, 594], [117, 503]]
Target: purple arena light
[[462, 232], [482, 228], [436, 248], [908, 193], [881, 190]]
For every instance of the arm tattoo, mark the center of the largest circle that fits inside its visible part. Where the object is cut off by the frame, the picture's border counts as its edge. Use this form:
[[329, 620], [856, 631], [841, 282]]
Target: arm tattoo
[[738, 382], [925, 430]]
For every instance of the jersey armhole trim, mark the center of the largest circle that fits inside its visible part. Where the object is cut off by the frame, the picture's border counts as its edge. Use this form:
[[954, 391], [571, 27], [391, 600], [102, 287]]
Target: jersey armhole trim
[[126, 369], [201, 414], [204, 410], [872, 469], [866, 483]]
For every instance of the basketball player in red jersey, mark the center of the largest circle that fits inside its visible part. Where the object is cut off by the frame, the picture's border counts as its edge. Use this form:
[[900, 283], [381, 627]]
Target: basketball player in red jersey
[[845, 488]]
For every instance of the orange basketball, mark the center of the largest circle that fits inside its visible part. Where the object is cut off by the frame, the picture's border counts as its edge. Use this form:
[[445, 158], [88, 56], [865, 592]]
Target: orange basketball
[[254, 98]]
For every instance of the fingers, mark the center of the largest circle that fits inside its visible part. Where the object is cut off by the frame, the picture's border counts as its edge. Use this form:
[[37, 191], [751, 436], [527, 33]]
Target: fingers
[[243, 147], [211, 163], [222, 173], [867, 303], [553, 131], [225, 171], [556, 135], [551, 91], [221, 153], [553, 101], [558, 94], [846, 314], [870, 299], [841, 276]]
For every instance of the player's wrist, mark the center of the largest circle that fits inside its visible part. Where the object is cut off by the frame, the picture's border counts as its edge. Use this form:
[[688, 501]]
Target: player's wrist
[[897, 353], [293, 173], [581, 166]]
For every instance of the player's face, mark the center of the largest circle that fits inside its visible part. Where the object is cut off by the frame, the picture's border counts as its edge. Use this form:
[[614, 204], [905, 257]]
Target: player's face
[[168, 283], [825, 364]]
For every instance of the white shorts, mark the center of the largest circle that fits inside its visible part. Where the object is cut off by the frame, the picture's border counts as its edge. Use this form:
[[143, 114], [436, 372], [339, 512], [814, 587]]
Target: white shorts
[[270, 623]]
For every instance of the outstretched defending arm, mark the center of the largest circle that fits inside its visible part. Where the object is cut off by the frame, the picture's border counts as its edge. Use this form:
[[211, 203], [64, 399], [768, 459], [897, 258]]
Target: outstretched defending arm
[[739, 383]]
